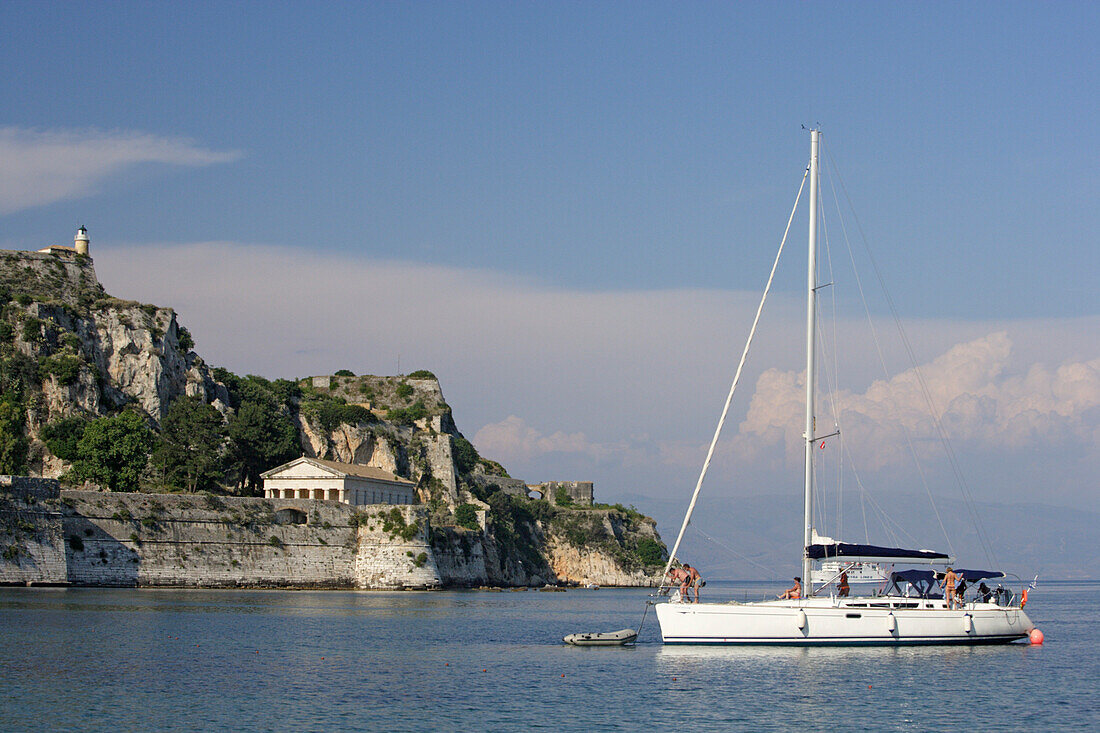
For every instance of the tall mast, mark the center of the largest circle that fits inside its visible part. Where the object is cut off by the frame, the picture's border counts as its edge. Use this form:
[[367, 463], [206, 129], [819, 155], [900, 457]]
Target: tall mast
[[811, 316]]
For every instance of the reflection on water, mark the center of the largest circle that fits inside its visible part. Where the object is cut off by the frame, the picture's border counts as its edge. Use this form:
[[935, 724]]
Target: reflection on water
[[124, 659]]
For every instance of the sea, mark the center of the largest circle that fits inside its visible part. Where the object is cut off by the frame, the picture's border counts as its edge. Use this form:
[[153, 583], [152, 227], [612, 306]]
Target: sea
[[92, 659]]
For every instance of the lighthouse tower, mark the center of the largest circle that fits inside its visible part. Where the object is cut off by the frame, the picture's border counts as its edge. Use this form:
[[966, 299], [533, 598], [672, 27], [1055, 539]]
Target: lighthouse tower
[[80, 241]]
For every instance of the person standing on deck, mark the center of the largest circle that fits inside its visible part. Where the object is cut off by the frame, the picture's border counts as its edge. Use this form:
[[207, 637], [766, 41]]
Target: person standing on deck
[[694, 581], [949, 580], [843, 589]]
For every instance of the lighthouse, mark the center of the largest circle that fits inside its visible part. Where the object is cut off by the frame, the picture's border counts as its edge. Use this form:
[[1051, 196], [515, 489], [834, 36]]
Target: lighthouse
[[80, 241]]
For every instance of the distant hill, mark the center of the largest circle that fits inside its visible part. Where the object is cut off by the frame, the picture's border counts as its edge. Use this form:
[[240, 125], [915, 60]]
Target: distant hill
[[763, 534]]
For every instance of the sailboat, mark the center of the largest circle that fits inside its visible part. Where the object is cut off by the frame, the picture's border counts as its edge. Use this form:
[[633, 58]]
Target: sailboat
[[907, 610]]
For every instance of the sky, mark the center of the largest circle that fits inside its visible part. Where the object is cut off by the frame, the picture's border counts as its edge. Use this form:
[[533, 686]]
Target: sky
[[567, 211]]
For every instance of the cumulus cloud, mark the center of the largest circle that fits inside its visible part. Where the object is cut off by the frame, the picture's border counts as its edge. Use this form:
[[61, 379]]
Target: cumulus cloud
[[512, 439], [44, 166], [978, 399]]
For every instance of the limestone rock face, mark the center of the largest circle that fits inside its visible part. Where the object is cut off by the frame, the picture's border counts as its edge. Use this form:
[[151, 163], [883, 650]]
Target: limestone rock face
[[419, 452], [95, 353], [583, 565]]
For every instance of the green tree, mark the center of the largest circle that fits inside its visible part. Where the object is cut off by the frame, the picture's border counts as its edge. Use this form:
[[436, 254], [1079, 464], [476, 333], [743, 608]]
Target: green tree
[[189, 448], [114, 451], [465, 454], [466, 516], [260, 437], [651, 552], [63, 436], [13, 439]]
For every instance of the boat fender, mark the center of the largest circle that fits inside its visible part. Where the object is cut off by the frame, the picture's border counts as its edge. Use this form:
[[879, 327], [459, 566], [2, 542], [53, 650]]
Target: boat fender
[[968, 623], [891, 623], [801, 619], [1023, 598]]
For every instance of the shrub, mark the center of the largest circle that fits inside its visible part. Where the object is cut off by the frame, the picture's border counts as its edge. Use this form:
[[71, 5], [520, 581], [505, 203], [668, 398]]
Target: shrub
[[408, 415], [422, 374], [465, 454], [420, 559], [650, 552], [76, 543], [393, 524], [405, 391], [345, 373], [64, 367], [32, 330], [466, 516], [184, 339], [24, 299], [562, 497], [6, 332], [275, 542]]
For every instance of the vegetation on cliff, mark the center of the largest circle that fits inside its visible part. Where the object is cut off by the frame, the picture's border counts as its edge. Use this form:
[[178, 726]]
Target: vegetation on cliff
[[102, 391]]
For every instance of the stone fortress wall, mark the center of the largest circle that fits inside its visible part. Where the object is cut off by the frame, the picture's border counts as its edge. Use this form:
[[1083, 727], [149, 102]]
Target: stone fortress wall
[[113, 539]]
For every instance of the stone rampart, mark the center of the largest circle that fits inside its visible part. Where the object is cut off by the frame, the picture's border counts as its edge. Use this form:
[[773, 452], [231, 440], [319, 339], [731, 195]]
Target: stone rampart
[[394, 549], [32, 549], [580, 493]]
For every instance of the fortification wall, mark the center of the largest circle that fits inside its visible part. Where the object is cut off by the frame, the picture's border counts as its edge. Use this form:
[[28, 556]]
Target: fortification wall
[[160, 540], [580, 492], [395, 553], [32, 549]]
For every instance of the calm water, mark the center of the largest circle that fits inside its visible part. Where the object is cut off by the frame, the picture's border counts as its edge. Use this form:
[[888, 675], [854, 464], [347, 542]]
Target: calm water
[[130, 660]]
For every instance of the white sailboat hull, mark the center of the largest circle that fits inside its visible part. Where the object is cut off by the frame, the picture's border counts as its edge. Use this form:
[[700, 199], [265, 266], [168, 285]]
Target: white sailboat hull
[[837, 622]]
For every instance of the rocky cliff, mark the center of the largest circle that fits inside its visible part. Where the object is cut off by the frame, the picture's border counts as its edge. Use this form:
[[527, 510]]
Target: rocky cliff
[[71, 355], [71, 350]]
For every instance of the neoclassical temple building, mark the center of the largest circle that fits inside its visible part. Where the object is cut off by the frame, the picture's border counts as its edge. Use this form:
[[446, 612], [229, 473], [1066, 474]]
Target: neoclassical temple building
[[314, 478]]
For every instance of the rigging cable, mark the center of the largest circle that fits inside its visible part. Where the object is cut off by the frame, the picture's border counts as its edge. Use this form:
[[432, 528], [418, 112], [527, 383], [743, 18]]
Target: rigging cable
[[736, 378], [878, 346]]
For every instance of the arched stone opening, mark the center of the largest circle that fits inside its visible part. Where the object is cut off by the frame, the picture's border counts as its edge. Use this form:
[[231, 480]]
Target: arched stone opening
[[290, 515]]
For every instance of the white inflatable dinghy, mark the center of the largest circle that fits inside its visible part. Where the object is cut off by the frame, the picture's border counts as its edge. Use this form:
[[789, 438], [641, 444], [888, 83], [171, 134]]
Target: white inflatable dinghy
[[604, 638]]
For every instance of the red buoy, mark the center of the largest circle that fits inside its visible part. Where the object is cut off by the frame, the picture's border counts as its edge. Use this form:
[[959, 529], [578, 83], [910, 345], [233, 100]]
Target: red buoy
[[1036, 637]]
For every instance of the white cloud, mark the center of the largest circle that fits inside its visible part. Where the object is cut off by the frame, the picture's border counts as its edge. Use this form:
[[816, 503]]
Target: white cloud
[[44, 166], [512, 439], [980, 402]]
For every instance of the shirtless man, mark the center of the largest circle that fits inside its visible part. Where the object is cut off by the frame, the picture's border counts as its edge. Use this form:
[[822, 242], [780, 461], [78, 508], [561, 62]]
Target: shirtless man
[[792, 592], [681, 576], [694, 580], [949, 580]]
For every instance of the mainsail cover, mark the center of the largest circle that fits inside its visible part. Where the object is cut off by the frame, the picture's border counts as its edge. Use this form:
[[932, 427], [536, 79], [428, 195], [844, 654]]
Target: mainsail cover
[[849, 551]]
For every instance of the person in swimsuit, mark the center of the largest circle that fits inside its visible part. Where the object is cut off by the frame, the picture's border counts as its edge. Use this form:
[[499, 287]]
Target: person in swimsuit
[[695, 580], [842, 585], [949, 580], [793, 592]]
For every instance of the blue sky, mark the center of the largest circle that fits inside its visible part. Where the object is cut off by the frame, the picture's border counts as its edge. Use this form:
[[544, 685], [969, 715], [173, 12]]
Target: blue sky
[[591, 145], [566, 210]]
